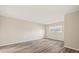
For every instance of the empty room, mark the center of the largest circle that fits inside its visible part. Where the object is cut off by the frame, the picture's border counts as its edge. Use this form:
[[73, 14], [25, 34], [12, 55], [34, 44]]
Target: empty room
[[39, 28]]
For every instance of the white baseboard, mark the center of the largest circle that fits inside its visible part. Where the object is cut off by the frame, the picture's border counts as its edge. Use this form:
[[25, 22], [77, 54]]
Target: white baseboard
[[71, 48], [18, 42], [53, 39]]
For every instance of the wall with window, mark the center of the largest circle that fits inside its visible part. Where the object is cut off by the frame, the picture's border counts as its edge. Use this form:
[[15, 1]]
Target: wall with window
[[55, 31]]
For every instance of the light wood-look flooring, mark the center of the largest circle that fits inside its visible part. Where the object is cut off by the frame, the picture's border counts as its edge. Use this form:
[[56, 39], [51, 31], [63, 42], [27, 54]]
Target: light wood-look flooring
[[36, 46]]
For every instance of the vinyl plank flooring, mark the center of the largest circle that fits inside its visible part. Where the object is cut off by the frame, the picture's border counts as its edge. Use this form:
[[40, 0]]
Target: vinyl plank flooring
[[36, 46]]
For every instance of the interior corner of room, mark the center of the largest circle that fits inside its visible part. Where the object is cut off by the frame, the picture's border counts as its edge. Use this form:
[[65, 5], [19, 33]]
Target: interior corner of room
[[42, 26]]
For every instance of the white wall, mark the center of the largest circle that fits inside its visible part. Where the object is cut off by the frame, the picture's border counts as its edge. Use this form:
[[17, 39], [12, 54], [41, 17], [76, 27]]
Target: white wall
[[72, 30], [15, 31], [56, 35]]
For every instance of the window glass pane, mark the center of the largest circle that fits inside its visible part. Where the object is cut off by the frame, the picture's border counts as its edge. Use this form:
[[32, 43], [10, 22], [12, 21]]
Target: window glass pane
[[57, 28]]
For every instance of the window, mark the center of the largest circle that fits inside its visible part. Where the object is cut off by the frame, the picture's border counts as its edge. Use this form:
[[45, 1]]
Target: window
[[56, 28]]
